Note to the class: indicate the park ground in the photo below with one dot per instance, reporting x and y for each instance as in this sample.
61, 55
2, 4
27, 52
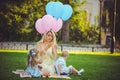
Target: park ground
97, 65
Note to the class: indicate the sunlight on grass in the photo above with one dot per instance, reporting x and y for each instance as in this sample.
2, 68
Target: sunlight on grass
71, 52
97, 53
14, 51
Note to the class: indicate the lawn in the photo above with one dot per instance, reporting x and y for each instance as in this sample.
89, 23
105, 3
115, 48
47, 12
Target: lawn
97, 67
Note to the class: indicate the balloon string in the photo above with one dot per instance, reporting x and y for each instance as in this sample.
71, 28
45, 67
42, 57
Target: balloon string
59, 34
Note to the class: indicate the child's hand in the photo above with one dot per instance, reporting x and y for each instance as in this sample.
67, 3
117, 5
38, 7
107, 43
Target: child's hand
40, 67
40, 61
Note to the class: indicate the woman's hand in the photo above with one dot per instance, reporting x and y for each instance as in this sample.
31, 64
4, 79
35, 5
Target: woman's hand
54, 51
41, 48
40, 61
46, 73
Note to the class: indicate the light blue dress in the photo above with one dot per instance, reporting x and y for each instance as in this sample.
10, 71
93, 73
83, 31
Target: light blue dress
33, 71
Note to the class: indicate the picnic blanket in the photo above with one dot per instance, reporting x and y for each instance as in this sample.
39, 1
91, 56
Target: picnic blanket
23, 75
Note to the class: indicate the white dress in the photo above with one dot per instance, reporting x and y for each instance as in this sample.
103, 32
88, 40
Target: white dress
48, 61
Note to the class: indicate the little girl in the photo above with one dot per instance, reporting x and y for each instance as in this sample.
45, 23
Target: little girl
33, 69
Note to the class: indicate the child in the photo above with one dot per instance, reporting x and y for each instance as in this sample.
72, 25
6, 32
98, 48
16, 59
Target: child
61, 67
33, 69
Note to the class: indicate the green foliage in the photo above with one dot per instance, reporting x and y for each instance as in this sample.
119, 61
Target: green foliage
80, 27
18, 17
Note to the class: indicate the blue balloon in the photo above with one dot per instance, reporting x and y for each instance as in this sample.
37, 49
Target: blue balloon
58, 10
58, 7
67, 12
50, 7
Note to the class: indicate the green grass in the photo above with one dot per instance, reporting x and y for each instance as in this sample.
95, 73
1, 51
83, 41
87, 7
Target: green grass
97, 67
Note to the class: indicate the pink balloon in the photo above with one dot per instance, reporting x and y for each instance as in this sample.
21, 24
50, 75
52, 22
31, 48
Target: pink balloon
47, 22
57, 25
39, 27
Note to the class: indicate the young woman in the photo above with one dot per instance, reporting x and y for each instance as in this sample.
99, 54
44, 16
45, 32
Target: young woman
48, 51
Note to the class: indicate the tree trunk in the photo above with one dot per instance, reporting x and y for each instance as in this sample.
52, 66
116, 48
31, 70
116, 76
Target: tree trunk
65, 29
65, 32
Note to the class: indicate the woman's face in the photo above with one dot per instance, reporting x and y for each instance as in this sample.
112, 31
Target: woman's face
49, 37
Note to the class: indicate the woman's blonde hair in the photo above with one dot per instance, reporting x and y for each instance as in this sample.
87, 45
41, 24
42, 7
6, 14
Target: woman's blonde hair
44, 37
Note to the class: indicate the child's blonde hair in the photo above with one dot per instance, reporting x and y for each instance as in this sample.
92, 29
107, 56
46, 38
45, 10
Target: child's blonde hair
31, 59
64, 53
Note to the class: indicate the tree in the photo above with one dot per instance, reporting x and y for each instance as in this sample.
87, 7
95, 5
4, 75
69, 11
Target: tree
80, 28
65, 29
17, 21
19, 18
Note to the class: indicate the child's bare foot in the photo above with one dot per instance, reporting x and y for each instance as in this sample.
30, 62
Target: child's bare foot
80, 71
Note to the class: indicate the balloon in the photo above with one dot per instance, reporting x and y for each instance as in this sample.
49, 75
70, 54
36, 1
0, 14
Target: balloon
50, 7
58, 25
67, 12
57, 9
47, 22
39, 27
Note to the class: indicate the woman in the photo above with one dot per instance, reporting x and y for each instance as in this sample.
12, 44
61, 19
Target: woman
48, 51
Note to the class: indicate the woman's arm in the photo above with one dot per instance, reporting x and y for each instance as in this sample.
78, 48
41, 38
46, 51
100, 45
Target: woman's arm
54, 51
40, 55
41, 48
39, 61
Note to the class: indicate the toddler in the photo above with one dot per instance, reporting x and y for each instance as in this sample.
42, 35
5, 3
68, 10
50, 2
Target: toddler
61, 67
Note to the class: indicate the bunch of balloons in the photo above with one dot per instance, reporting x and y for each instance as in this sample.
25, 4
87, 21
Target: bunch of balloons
56, 14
